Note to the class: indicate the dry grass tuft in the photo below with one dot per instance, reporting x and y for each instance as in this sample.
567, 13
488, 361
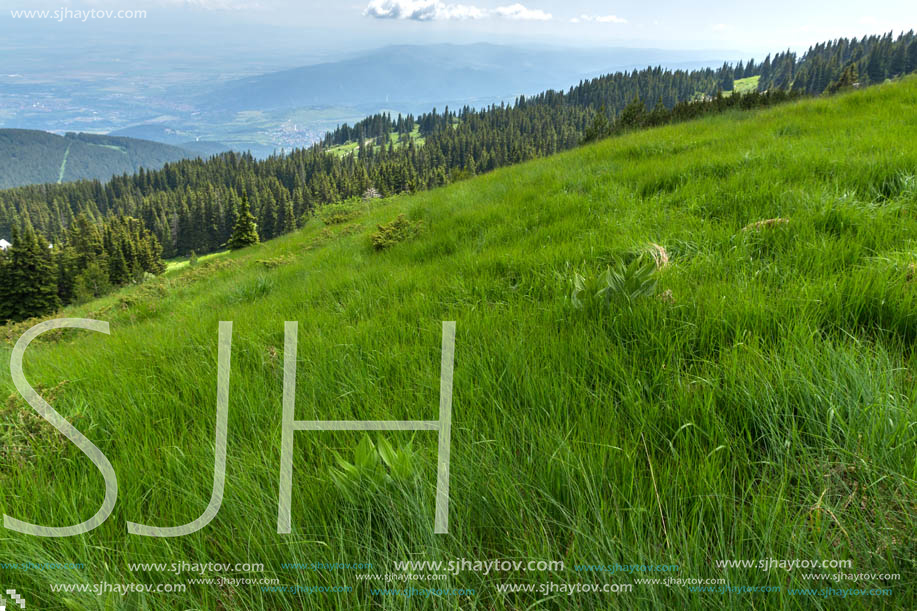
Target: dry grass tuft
911, 273
26, 433
660, 255
766, 224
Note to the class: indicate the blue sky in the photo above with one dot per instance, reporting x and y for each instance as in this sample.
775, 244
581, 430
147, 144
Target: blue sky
715, 24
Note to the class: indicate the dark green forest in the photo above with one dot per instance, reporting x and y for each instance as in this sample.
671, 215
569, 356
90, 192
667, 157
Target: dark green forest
31, 157
195, 205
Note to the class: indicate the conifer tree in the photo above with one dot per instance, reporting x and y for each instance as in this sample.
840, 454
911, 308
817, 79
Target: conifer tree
30, 278
633, 114
245, 231
599, 128
287, 221
848, 79
6, 288
92, 282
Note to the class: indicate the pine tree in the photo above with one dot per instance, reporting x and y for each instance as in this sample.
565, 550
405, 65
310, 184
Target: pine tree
30, 278
633, 114
751, 69
67, 261
898, 65
287, 221
875, 68
848, 79
92, 282
268, 221
6, 288
599, 128
727, 78
245, 231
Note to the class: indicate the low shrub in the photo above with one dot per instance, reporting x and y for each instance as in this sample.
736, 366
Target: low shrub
621, 284
340, 213
374, 468
397, 231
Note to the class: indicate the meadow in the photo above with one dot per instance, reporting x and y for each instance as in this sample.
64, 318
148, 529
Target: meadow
743, 391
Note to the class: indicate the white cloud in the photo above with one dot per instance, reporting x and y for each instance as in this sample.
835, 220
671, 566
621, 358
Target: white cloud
598, 19
435, 10
522, 13
720, 27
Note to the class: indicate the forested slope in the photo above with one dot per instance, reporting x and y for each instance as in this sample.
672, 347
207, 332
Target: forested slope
36, 157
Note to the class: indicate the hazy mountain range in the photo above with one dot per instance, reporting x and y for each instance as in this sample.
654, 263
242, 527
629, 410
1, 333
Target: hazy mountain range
413, 76
245, 105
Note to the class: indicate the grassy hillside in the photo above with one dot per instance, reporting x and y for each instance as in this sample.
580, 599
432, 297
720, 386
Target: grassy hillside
759, 405
35, 157
352, 147
745, 85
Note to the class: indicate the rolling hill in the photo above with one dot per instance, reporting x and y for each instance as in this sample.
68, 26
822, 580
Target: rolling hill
36, 157
745, 393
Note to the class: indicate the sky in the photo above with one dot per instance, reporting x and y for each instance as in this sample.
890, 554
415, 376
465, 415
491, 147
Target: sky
330, 26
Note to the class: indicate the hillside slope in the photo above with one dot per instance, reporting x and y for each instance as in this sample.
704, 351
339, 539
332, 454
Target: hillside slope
760, 405
36, 157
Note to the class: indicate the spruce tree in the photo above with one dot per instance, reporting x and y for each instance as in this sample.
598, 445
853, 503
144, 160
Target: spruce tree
30, 278
245, 231
875, 68
912, 57
287, 221
6, 288
91, 283
848, 79
632, 115
898, 65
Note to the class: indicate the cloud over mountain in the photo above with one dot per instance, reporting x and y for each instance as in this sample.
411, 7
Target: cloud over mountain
435, 10
598, 19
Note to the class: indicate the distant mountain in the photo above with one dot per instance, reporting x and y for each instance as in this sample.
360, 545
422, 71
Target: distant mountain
205, 148
35, 157
412, 77
182, 138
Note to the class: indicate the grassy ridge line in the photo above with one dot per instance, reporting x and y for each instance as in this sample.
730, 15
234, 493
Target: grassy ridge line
63, 165
773, 393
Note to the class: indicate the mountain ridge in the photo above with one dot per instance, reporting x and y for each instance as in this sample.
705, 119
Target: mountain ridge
38, 157
424, 74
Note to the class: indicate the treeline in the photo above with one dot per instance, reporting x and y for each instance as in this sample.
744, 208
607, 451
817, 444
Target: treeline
614, 91
867, 61
636, 115
873, 58
37, 277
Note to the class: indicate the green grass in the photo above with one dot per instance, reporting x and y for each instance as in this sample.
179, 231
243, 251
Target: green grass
745, 85
63, 166
342, 150
762, 406
173, 265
